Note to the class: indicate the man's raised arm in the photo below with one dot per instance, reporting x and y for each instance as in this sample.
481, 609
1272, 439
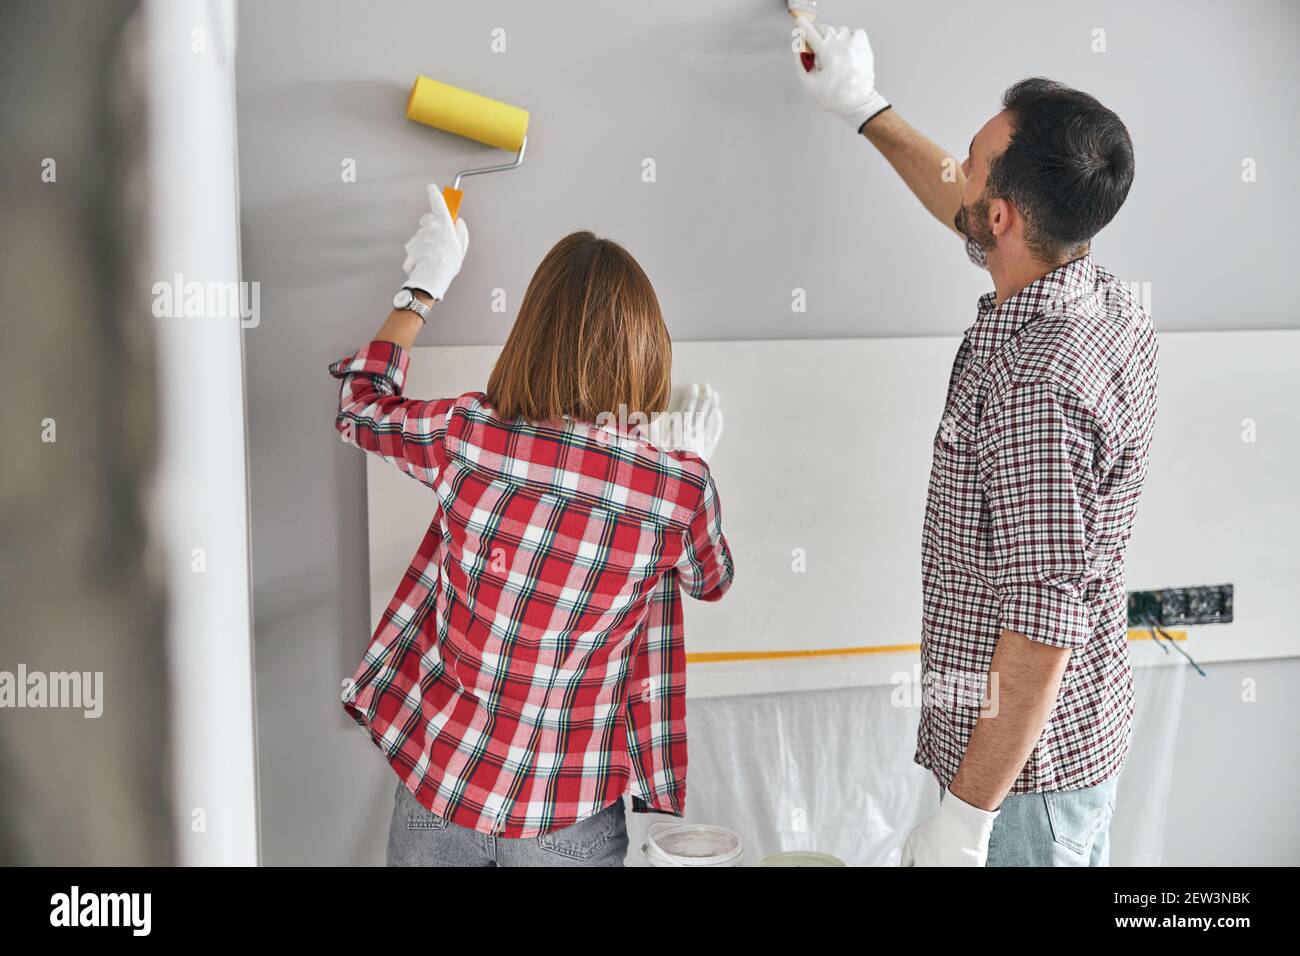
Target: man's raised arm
842, 81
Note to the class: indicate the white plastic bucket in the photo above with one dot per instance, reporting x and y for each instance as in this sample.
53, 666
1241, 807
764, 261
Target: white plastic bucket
801, 858
691, 844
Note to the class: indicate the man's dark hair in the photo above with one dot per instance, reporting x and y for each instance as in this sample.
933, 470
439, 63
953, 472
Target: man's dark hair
1067, 168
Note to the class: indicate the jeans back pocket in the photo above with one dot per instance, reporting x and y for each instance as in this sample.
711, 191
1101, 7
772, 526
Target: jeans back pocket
1077, 816
414, 814
582, 840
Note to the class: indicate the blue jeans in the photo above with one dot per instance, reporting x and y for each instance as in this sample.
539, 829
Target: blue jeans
1054, 828
417, 837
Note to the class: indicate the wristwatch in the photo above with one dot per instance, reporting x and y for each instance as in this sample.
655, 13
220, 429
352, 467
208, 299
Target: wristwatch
405, 299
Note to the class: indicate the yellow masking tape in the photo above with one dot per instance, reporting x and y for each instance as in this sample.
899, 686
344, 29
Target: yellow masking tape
719, 657
467, 114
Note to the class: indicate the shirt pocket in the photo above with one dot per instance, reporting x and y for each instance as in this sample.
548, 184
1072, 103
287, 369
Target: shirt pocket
963, 516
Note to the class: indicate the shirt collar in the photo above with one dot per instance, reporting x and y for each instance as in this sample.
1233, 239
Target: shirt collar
996, 324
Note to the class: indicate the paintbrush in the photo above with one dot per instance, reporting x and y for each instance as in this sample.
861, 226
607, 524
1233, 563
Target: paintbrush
804, 10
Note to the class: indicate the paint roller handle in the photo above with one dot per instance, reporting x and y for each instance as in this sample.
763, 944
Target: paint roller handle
435, 253
452, 198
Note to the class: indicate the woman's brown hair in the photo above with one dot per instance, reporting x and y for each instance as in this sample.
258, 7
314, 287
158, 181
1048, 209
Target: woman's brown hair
589, 337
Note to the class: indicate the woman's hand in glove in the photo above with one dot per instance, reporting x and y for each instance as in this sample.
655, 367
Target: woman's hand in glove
694, 426
435, 253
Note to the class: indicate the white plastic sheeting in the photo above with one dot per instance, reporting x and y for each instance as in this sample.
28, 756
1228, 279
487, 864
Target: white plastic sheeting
1142, 803
201, 498
832, 771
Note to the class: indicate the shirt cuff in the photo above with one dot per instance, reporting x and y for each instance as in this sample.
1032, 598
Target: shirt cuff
1046, 615
382, 360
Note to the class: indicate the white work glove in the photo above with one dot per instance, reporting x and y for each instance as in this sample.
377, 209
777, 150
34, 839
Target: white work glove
694, 426
701, 421
434, 254
957, 835
843, 76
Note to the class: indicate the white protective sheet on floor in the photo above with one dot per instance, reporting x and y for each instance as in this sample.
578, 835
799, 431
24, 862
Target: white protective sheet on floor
832, 771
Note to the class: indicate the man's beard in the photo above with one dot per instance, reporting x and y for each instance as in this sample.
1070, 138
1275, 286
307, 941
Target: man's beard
973, 223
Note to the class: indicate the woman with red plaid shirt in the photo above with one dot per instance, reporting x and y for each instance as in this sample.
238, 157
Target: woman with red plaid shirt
530, 670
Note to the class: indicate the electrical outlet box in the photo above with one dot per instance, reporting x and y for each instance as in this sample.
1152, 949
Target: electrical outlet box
1210, 604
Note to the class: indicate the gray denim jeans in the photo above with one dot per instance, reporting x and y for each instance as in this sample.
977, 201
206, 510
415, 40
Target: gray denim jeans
1055, 828
417, 837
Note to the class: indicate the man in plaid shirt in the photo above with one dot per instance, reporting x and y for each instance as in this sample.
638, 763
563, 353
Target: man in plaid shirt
1039, 460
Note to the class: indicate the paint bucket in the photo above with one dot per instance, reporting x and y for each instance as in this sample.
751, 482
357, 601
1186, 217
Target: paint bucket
691, 844
802, 858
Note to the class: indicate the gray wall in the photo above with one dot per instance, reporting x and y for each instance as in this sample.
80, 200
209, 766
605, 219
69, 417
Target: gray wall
81, 589
757, 193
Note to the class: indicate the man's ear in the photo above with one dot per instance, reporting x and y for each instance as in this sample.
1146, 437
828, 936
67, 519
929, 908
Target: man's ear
1001, 215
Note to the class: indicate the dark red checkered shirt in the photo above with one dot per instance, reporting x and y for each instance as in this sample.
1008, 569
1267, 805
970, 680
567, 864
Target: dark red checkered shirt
531, 668
1039, 460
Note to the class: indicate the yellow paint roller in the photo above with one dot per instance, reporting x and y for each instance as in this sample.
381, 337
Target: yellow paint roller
475, 117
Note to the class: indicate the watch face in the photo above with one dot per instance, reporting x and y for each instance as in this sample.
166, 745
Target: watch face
403, 298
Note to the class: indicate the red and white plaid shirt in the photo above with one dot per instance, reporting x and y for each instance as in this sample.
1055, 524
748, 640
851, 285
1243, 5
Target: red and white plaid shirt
530, 669
1038, 464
